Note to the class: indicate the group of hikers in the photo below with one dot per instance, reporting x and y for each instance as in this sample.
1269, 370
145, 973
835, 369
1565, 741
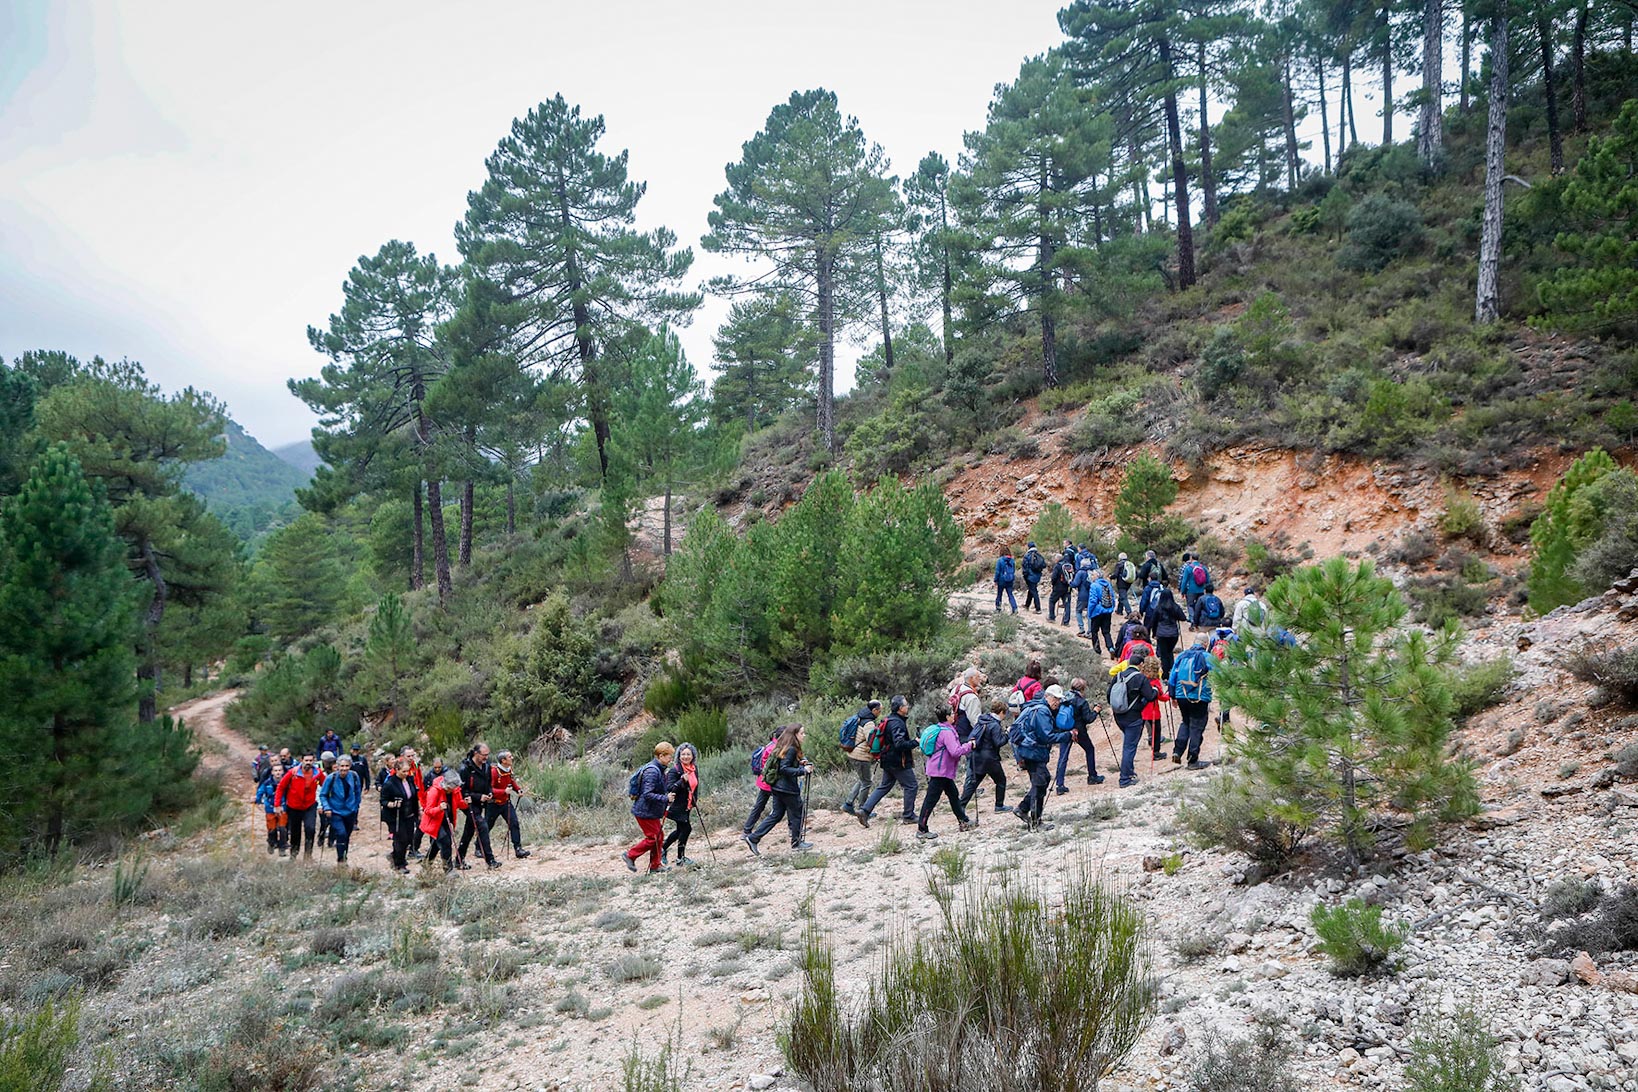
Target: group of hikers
319, 800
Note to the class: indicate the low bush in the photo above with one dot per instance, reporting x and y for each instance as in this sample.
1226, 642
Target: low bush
1355, 938
1478, 686
1020, 993
1569, 898
1445, 597
566, 783
1233, 815
257, 1051
1462, 518
1613, 667
635, 967
1457, 1054
35, 1047
908, 670
1260, 1062
1613, 927
1380, 229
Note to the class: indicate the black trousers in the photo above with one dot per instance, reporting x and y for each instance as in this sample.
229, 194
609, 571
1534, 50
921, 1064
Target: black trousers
1100, 628
786, 806
937, 787
404, 823
980, 768
679, 836
1033, 595
1052, 605
1166, 647
302, 824
509, 812
1085, 741
1040, 780
905, 778
762, 798
1194, 715
476, 824
440, 845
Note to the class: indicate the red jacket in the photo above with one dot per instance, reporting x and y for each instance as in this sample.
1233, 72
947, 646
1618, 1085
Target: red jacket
436, 807
296, 791
501, 784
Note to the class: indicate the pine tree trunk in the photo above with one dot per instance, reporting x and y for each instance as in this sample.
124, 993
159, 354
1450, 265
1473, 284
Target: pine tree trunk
435, 498
1387, 74
1549, 88
1208, 183
1430, 137
949, 283
1293, 159
1325, 119
881, 295
1180, 175
187, 675
590, 375
1487, 303
827, 351
148, 668
511, 506
418, 565
1467, 55
1578, 73
466, 525
59, 759
1043, 278
1348, 139
667, 536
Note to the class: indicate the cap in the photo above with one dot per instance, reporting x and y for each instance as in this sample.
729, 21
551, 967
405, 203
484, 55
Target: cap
327, 756
1032, 546
1055, 692
1123, 557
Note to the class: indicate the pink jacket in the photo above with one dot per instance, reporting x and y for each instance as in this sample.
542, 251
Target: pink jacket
942, 762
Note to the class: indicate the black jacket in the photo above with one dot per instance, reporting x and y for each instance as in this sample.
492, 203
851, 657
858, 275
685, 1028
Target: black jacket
1164, 619
901, 745
1146, 693
988, 739
1061, 579
1084, 713
393, 788
675, 782
1151, 565
788, 779
475, 782
1034, 566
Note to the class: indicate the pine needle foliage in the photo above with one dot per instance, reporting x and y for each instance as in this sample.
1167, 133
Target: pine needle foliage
1354, 716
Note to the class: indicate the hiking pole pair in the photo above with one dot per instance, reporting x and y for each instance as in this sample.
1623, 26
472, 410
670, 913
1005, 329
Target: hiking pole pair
802, 827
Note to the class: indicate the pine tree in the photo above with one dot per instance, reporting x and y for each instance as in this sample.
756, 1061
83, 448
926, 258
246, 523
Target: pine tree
1600, 292
802, 579
1145, 491
911, 534
807, 196
660, 413
299, 582
1558, 534
564, 273
934, 240
1487, 297
389, 649
761, 361
67, 624
1355, 716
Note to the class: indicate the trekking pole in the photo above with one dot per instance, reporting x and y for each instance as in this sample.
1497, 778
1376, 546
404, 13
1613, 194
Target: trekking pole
802, 828
705, 829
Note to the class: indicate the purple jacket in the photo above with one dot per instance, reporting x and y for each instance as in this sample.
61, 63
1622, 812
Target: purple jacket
942, 762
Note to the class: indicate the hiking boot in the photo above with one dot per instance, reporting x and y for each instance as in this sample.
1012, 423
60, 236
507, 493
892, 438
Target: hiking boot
971, 825
463, 866
494, 865
1096, 779
849, 809
1128, 784
685, 862
521, 853
1003, 807
863, 817
662, 868
282, 851
801, 847
631, 865
1177, 760
925, 834
402, 870
1022, 817
905, 820
1038, 825
1062, 790
750, 845
665, 854
1193, 765
416, 855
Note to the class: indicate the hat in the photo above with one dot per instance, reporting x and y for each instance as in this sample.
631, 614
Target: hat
1032, 545
327, 756
1123, 557
1055, 692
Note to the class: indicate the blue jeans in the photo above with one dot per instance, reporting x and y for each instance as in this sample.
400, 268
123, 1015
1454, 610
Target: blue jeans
1085, 743
1081, 620
1129, 740
341, 832
1007, 587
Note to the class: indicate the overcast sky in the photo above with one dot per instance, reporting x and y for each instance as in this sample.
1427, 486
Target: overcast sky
187, 183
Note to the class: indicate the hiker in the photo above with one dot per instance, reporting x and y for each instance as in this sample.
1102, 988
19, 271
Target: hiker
1125, 577
420, 791
1082, 714
503, 785
649, 801
1034, 566
897, 761
401, 810
1166, 623
386, 764
277, 823
285, 763
988, 737
1083, 598
764, 791
331, 742
361, 767
1068, 552
1220, 641
260, 765
1250, 614
1147, 600
296, 797
682, 784
1083, 554
477, 786
1033, 735
1063, 586
327, 766
965, 704
1192, 578
1129, 692
1137, 638
1191, 688
1029, 683
1151, 568
943, 757
1208, 611
443, 800
1100, 611
861, 757
1005, 572
1151, 711
788, 767
338, 800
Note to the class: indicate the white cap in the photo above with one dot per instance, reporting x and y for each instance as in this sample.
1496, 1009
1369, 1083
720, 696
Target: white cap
1055, 692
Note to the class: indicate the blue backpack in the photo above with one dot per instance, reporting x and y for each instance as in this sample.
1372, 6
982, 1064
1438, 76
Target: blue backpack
1189, 671
759, 757
1066, 717
634, 787
848, 737
1211, 607
1004, 571
929, 739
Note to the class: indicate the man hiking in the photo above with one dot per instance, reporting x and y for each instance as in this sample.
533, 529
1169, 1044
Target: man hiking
1063, 587
327, 766
1006, 573
865, 737
1125, 576
898, 762
477, 786
297, 798
1033, 736
1082, 714
1208, 612
1250, 615
1151, 568
331, 742
1100, 611
988, 737
338, 800
1191, 689
1034, 565
1192, 579
1130, 691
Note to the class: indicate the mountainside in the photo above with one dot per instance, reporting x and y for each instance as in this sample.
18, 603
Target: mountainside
299, 454
249, 488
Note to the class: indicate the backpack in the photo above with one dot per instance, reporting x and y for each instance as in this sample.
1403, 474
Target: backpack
759, 757
1190, 670
1015, 702
1066, 571
1211, 607
1151, 596
1125, 691
1255, 613
954, 700
1065, 720
929, 739
1126, 573
848, 737
1004, 571
1219, 648
876, 740
634, 787
1201, 576
1106, 595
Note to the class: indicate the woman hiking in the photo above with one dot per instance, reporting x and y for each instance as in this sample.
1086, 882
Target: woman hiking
941, 771
1151, 712
648, 805
401, 810
784, 770
682, 784
338, 800
1166, 623
442, 802
1006, 573
1137, 640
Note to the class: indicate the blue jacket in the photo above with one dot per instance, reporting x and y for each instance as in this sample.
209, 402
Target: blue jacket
1005, 570
340, 793
1095, 598
651, 797
1034, 733
1083, 586
1196, 662
265, 788
338, 749
1085, 555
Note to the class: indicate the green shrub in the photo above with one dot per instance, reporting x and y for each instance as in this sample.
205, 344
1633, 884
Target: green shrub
1260, 1062
1380, 229
1071, 979
669, 693
1569, 898
706, 729
1478, 686
35, 1047
1355, 938
1462, 518
566, 783
1445, 597
1568, 523
907, 671
1231, 815
1457, 1054
1612, 667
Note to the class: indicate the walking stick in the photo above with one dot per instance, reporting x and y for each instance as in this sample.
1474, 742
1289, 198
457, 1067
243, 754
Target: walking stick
705, 828
802, 828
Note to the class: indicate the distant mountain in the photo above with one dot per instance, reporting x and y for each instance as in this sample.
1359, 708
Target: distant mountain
299, 455
249, 488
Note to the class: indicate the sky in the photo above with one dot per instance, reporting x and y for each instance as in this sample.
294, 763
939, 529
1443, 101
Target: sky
187, 184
